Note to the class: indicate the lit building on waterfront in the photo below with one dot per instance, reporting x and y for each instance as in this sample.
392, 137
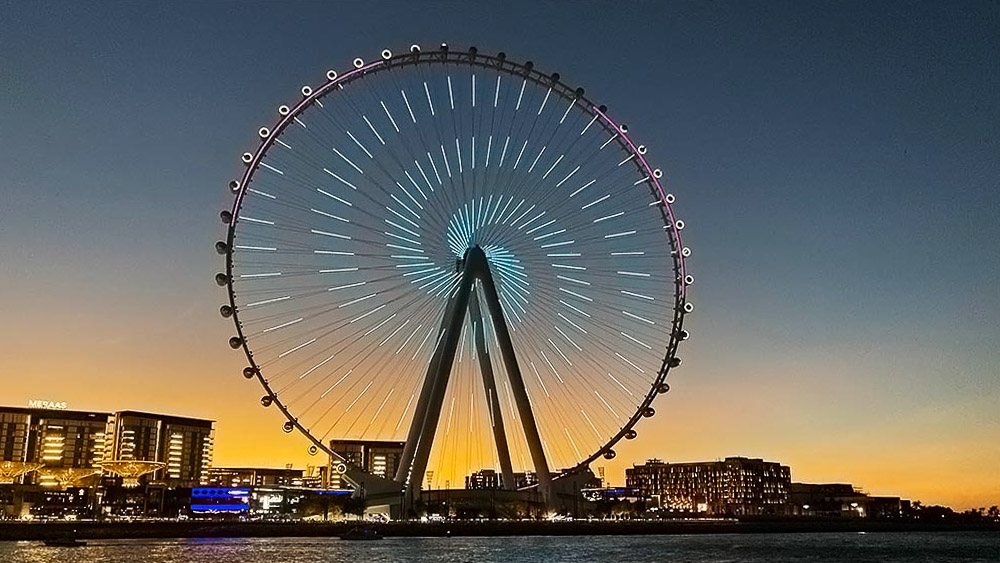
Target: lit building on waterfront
255, 477
613, 494
66, 441
491, 479
484, 479
737, 485
184, 444
72, 444
379, 458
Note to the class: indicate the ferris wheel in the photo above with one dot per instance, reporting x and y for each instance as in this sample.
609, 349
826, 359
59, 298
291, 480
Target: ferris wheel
461, 254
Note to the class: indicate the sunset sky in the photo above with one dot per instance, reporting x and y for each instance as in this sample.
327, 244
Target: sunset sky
837, 168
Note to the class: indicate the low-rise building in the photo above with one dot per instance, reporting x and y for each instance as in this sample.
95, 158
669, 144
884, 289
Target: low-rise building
841, 499
254, 477
484, 479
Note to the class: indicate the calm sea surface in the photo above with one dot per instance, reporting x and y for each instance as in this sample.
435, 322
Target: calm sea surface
854, 547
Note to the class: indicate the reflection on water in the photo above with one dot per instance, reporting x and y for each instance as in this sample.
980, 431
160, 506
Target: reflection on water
882, 547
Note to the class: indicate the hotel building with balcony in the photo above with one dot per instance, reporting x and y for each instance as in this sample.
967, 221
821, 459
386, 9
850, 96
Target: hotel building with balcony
734, 486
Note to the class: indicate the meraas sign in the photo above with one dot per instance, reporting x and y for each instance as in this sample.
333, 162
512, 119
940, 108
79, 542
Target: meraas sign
39, 404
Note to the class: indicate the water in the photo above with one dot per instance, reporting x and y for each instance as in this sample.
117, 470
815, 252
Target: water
776, 548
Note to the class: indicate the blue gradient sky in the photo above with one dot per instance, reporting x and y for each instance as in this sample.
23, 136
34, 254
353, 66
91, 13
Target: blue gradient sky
837, 167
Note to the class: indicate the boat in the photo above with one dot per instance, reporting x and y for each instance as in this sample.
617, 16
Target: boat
361, 533
64, 542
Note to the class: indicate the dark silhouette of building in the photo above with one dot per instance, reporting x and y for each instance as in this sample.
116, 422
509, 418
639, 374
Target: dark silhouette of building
735, 486
841, 499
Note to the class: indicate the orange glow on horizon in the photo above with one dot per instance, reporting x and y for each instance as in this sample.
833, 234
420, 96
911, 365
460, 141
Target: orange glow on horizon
924, 454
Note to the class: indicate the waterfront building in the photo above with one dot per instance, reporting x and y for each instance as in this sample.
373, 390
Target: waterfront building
735, 486
613, 494
184, 444
841, 499
265, 503
491, 479
254, 477
377, 457
484, 479
316, 477
71, 444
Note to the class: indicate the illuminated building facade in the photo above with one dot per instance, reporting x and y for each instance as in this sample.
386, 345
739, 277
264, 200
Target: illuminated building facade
255, 477
184, 444
66, 441
613, 494
376, 457
484, 479
735, 486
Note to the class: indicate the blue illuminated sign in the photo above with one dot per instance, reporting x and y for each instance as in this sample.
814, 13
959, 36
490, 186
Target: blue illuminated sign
219, 492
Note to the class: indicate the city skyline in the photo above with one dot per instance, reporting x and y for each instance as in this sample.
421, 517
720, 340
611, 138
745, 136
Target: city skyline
837, 174
63, 439
58, 410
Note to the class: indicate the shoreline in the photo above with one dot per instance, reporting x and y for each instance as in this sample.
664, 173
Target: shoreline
28, 531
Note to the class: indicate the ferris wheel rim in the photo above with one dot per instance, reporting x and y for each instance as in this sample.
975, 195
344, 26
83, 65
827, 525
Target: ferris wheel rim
527, 71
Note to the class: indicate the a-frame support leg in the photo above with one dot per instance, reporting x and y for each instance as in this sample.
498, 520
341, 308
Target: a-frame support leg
428, 413
517, 388
416, 452
492, 397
